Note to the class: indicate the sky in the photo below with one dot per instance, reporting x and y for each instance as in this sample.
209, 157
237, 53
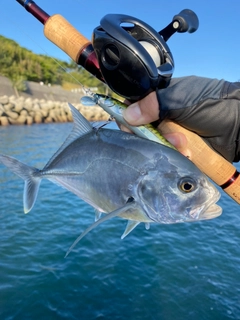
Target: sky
212, 51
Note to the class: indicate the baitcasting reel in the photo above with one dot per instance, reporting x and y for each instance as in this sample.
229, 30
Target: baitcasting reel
134, 59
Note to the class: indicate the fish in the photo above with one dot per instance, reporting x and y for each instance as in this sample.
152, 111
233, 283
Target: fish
115, 108
121, 174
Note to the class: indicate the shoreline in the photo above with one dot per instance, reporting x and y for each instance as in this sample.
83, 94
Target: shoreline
26, 111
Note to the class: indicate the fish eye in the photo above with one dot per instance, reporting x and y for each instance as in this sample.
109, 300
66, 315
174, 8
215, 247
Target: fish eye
186, 185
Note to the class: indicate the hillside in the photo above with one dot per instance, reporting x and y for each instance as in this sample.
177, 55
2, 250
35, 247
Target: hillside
20, 64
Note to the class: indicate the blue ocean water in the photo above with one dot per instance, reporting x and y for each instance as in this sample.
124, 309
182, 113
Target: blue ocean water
182, 271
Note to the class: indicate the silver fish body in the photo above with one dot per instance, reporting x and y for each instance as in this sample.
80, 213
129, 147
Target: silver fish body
111, 169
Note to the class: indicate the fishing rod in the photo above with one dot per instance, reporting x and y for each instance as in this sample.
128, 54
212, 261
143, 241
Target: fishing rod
59, 31
105, 62
116, 50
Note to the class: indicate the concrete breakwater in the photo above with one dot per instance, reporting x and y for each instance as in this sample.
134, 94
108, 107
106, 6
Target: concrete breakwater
19, 111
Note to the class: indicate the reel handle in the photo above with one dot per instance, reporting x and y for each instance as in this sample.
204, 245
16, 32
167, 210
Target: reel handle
185, 21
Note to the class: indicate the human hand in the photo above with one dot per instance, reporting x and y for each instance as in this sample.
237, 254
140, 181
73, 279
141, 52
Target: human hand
208, 107
146, 111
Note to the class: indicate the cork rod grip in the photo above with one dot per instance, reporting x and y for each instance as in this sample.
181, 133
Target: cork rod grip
59, 31
222, 172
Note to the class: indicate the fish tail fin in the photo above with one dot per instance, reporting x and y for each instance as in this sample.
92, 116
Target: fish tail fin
29, 175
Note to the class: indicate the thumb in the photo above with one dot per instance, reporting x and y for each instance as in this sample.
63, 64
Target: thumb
144, 111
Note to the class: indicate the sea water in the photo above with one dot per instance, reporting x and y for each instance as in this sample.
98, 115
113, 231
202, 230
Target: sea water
182, 271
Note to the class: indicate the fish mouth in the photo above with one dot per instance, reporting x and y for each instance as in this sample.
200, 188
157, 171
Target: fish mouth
213, 211
209, 210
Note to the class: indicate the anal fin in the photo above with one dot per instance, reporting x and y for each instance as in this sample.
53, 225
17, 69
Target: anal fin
130, 226
98, 214
147, 225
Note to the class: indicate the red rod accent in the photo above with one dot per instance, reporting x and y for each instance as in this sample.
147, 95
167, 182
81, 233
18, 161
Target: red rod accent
230, 181
35, 10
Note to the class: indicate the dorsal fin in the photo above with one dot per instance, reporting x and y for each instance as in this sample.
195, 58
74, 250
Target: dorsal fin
81, 126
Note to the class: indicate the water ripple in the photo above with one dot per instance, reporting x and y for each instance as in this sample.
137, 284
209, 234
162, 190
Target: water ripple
185, 271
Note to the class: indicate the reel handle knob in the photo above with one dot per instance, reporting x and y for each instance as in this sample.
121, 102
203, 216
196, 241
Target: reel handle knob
186, 21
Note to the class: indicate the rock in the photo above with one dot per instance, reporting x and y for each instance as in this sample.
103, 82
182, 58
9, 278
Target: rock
44, 113
31, 113
38, 118
48, 120
50, 104
12, 98
4, 99
35, 106
19, 120
44, 108
22, 119
30, 110
53, 115
29, 120
24, 113
64, 118
4, 121
18, 107
69, 117
1, 109
8, 107
22, 99
12, 115
28, 100
28, 104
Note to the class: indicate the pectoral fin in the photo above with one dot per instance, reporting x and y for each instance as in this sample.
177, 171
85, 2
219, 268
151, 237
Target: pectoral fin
115, 213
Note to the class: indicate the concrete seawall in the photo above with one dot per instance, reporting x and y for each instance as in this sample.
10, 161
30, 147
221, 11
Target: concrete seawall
20, 111
40, 91
42, 104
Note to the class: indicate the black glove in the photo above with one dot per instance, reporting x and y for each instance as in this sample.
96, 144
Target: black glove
209, 107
